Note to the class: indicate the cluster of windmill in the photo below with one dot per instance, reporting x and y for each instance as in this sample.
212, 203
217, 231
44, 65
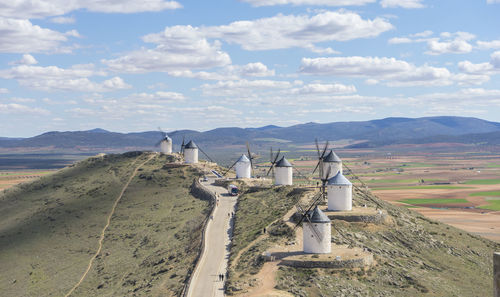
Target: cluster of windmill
188, 150
335, 187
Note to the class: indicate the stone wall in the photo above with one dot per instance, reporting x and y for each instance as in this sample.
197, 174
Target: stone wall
339, 264
375, 218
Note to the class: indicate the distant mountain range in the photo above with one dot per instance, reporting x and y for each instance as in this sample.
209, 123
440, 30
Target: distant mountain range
373, 133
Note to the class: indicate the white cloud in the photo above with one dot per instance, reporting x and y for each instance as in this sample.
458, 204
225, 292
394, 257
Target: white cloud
159, 96
494, 44
287, 31
53, 78
399, 40
394, 72
181, 49
251, 69
488, 68
492, 1
25, 9
447, 43
422, 34
22, 100
402, 3
454, 43
14, 108
27, 59
63, 20
21, 36
455, 46
229, 88
318, 88
3, 91
309, 2
178, 48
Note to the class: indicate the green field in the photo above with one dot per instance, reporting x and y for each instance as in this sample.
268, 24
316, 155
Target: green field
486, 194
483, 182
418, 164
493, 165
397, 181
421, 188
22, 173
433, 201
493, 204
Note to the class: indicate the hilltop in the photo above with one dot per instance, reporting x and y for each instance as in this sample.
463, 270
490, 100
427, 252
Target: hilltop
370, 133
50, 229
414, 256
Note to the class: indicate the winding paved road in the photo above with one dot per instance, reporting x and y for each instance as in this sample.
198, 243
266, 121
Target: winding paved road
213, 261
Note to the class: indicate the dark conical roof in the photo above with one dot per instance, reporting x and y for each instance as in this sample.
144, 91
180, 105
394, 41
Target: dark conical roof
317, 216
283, 163
190, 145
339, 180
243, 159
331, 157
166, 138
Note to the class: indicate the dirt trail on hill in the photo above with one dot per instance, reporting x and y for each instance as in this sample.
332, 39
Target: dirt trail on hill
101, 239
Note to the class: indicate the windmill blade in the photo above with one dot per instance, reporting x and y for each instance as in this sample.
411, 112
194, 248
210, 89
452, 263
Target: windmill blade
300, 173
163, 133
324, 150
317, 147
317, 165
205, 154
224, 174
158, 143
277, 155
270, 168
328, 171
250, 156
273, 160
317, 234
316, 199
183, 144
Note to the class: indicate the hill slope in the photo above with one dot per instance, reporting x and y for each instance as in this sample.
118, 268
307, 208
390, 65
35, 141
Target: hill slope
49, 229
415, 256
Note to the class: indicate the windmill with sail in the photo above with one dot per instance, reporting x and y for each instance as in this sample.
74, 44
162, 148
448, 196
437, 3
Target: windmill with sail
165, 143
243, 166
316, 227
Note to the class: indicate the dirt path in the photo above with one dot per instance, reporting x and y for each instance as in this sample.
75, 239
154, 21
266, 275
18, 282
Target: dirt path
101, 238
266, 278
286, 218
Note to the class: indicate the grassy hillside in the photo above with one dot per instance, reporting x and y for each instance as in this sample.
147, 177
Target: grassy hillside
49, 229
415, 256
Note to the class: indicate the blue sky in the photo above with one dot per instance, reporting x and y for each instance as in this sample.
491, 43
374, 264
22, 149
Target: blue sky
135, 65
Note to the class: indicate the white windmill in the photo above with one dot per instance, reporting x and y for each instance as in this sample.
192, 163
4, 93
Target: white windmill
328, 164
190, 151
243, 166
283, 174
339, 193
165, 143
316, 228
